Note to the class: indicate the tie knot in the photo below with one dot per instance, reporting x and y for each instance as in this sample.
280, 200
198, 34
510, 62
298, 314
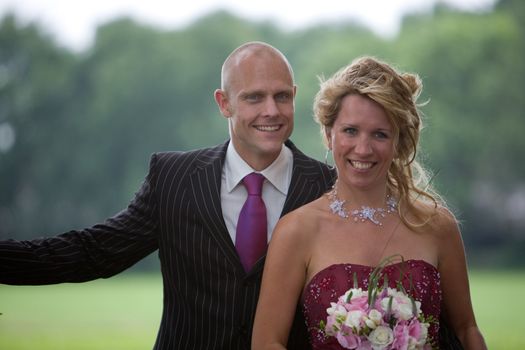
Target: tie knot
253, 183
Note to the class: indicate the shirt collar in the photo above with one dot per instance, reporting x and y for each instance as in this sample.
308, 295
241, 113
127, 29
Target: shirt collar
235, 169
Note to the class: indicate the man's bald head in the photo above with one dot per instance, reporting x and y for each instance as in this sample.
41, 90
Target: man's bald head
248, 50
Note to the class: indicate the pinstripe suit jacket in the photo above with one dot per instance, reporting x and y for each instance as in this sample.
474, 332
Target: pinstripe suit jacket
209, 300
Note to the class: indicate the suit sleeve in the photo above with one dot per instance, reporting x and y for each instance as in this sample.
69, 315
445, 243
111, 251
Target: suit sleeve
100, 251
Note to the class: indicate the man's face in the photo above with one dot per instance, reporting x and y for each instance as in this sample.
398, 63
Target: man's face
259, 104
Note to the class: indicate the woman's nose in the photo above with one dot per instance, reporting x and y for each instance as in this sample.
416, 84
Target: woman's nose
363, 146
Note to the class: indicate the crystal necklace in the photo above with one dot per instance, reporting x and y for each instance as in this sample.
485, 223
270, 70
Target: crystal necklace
374, 215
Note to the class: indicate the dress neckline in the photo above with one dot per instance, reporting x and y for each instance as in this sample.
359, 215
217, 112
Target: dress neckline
411, 261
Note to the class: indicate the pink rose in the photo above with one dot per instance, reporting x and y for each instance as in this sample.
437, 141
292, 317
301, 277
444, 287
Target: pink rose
347, 339
359, 303
418, 331
401, 337
414, 329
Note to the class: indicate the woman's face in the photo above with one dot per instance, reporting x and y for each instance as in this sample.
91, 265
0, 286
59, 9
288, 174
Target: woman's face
362, 142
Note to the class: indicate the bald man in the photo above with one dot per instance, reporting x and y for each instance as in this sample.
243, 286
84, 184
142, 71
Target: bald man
188, 208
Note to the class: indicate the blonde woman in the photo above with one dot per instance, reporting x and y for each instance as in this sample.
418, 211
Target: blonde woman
381, 206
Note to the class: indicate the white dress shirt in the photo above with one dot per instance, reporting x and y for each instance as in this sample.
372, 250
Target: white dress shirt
275, 187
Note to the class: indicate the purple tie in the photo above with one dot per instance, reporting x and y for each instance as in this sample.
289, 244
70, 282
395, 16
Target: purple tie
251, 236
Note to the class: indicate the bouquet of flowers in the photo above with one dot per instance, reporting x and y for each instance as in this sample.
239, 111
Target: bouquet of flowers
380, 318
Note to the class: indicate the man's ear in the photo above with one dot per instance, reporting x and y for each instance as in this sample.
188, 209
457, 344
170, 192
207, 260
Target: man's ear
222, 101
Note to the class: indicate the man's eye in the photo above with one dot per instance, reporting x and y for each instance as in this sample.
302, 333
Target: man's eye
253, 98
283, 97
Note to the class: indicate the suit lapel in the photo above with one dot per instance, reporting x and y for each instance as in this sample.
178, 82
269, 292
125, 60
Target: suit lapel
305, 186
206, 186
305, 180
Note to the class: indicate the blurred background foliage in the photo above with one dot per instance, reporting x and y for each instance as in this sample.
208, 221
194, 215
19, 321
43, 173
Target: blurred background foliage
77, 128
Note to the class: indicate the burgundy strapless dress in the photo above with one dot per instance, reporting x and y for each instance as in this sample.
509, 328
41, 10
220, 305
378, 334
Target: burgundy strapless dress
419, 278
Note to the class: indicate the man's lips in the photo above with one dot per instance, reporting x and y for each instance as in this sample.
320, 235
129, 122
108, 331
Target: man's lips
267, 128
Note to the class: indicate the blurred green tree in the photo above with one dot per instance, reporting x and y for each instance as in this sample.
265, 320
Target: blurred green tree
35, 84
77, 129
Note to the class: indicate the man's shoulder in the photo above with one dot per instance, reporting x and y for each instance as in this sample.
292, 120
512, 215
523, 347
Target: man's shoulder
195, 155
180, 164
303, 162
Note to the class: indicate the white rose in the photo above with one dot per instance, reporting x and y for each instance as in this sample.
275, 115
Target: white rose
403, 310
374, 319
375, 316
381, 337
370, 324
424, 333
353, 319
336, 310
331, 309
385, 302
402, 306
418, 308
356, 292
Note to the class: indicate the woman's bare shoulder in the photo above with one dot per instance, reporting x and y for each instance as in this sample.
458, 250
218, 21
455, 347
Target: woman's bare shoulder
302, 220
442, 224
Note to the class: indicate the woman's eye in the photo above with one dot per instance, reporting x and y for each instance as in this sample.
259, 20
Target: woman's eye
381, 135
351, 131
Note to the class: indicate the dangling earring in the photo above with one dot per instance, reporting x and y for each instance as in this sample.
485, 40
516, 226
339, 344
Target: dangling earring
328, 140
328, 151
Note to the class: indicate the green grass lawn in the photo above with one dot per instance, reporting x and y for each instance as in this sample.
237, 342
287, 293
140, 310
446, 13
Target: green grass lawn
124, 313
499, 305
119, 313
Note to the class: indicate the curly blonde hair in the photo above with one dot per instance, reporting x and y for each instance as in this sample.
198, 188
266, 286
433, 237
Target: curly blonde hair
397, 93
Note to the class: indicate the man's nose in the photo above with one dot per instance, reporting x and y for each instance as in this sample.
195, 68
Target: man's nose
270, 107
